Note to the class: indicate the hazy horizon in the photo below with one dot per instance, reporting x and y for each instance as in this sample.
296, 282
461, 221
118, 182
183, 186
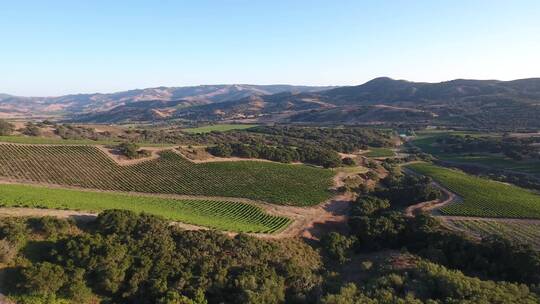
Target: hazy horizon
253, 84
60, 47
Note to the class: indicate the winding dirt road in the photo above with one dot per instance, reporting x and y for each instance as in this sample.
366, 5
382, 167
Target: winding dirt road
432, 207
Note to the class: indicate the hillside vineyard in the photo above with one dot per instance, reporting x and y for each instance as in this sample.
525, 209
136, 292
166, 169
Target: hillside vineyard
89, 167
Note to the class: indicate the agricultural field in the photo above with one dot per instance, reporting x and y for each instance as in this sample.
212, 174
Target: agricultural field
223, 215
482, 197
379, 152
220, 128
527, 233
89, 167
37, 140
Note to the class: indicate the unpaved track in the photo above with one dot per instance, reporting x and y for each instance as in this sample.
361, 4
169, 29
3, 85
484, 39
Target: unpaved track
431, 207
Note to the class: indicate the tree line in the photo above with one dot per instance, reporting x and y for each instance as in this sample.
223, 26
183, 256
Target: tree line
310, 155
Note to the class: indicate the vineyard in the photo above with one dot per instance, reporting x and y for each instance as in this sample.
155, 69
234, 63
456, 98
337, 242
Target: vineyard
527, 233
36, 140
89, 167
223, 215
482, 197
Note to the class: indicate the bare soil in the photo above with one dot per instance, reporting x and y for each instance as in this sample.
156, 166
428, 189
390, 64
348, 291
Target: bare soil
124, 161
199, 158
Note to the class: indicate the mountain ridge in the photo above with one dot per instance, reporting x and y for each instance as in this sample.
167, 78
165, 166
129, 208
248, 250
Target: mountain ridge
94, 102
459, 102
478, 103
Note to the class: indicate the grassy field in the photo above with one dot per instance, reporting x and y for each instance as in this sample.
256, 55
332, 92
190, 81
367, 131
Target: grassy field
220, 128
351, 170
89, 167
380, 152
229, 216
482, 197
57, 141
526, 233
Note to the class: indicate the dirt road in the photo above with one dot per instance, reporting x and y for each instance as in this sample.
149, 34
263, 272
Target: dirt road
432, 206
449, 197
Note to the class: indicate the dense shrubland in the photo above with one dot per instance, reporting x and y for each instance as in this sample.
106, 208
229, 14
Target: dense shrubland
512, 147
6, 128
123, 257
404, 190
376, 225
317, 146
67, 131
131, 150
310, 155
429, 283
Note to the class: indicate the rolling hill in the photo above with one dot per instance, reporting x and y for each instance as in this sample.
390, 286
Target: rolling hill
470, 103
17, 106
484, 104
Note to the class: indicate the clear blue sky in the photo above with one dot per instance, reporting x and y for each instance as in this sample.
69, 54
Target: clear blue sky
60, 47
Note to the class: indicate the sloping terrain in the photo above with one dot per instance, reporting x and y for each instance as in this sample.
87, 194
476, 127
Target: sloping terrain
471, 103
89, 167
16, 106
484, 104
482, 197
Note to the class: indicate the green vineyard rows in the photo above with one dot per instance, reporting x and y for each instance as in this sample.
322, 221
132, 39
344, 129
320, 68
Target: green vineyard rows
223, 215
526, 233
17, 139
482, 197
89, 167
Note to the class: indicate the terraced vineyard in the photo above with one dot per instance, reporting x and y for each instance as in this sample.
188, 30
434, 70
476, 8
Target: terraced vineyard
527, 233
223, 215
89, 167
482, 197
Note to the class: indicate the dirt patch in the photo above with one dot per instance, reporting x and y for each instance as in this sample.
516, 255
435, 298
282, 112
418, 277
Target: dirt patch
199, 158
124, 161
37, 212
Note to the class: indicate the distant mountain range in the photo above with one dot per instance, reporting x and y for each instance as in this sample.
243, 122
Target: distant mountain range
471, 103
14, 106
465, 103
